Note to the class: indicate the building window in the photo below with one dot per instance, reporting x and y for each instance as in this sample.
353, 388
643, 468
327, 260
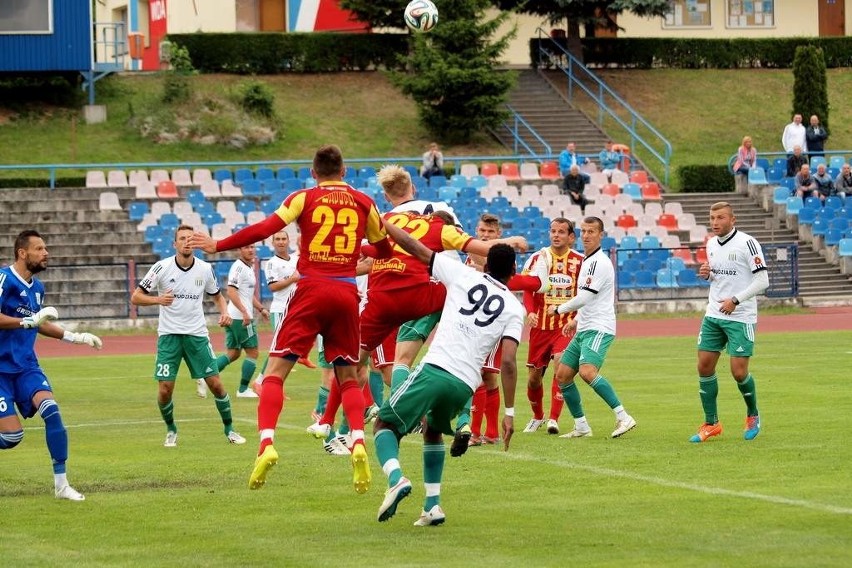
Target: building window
26, 16
688, 14
751, 13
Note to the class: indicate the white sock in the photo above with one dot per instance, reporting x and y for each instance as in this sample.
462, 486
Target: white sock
620, 413
581, 423
60, 480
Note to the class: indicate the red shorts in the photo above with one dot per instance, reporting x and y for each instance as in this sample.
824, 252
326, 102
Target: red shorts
385, 354
546, 345
320, 306
387, 310
494, 359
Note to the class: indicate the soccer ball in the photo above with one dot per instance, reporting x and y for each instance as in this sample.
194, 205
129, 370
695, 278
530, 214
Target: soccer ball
421, 15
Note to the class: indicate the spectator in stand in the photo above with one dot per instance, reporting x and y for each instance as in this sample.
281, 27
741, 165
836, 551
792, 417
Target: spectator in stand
746, 160
794, 135
824, 183
569, 157
795, 161
609, 160
573, 185
433, 162
843, 183
815, 136
805, 183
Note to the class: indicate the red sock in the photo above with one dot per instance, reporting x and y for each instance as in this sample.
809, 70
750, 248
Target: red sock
332, 404
556, 402
269, 407
353, 404
477, 410
368, 395
492, 411
536, 398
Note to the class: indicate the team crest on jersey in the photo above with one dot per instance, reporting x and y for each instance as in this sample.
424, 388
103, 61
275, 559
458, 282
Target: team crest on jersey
588, 281
560, 266
758, 261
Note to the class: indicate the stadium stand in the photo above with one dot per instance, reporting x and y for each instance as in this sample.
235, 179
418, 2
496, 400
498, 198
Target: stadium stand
108, 201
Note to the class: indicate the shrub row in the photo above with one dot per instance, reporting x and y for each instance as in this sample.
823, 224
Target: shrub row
269, 53
705, 178
35, 182
680, 53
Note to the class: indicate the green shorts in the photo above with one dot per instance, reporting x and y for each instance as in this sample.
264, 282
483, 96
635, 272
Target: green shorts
194, 349
239, 336
322, 362
419, 329
715, 333
587, 348
431, 392
275, 317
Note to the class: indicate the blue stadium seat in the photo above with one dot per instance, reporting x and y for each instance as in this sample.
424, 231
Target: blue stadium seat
817, 160
478, 181
251, 187
458, 181
195, 197
437, 181
169, 221
675, 264
652, 264
264, 251
839, 224
154, 232
836, 161
819, 227
666, 278
794, 205
137, 210
645, 279
291, 184
264, 174
427, 193
412, 171
650, 241
833, 237
286, 173
498, 203
304, 173
790, 184
468, 192
813, 203
833, 172
366, 172
634, 190
625, 279
762, 163
447, 193
757, 176
833, 202
780, 195
687, 278
628, 242
806, 216
212, 218
246, 206
608, 243
775, 175
844, 247
780, 163
269, 186
531, 211
243, 174
631, 265
419, 182
221, 175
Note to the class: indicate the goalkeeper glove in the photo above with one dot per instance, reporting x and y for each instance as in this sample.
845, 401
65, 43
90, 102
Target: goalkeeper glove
40, 317
83, 338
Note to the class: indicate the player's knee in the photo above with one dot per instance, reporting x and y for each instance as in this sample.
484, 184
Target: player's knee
9, 440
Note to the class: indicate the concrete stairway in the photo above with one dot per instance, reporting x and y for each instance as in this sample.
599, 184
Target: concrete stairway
819, 281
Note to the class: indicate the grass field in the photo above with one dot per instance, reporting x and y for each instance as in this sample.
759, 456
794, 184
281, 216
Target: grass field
647, 499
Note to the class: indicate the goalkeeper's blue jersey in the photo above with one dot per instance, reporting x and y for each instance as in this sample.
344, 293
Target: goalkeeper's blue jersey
18, 299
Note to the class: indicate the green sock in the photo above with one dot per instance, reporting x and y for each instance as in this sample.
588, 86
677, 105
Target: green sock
222, 361
708, 389
249, 366
571, 395
344, 426
322, 400
387, 450
601, 386
749, 392
464, 414
263, 368
167, 411
377, 387
398, 376
223, 405
433, 470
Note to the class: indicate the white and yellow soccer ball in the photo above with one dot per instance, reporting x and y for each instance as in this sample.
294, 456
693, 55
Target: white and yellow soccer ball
421, 15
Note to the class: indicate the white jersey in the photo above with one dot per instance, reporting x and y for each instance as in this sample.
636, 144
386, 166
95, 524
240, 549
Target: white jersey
242, 277
276, 270
186, 314
733, 263
598, 277
478, 313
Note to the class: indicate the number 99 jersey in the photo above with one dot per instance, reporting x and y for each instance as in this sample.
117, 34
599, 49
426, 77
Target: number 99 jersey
479, 312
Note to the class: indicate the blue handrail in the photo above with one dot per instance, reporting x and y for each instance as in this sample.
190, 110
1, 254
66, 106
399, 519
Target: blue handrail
517, 139
576, 69
773, 155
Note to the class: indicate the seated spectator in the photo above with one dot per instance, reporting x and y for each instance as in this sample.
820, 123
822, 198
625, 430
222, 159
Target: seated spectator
843, 183
824, 183
574, 184
746, 159
569, 157
815, 135
609, 160
805, 183
433, 162
795, 161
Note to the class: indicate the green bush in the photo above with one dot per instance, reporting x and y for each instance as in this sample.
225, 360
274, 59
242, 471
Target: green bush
257, 97
705, 178
810, 85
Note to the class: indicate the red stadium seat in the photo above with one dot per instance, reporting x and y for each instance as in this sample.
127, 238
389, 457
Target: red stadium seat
667, 221
626, 221
701, 256
610, 189
651, 191
167, 190
488, 169
549, 171
639, 176
684, 254
510, 171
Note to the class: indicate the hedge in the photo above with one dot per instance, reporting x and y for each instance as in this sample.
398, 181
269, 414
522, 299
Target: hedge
270, 53
705, 179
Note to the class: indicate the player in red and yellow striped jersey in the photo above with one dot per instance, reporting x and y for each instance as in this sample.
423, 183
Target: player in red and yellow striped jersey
333, 219
561, 264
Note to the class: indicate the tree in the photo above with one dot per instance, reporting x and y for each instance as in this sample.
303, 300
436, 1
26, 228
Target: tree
810, 85
379, 13
452, 76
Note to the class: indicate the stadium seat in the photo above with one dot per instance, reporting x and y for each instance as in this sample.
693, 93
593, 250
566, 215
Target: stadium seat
231, 190
763, 163
95, 179
285, 173
638, 177
671, 207
137, 209
780, 195
211, 189
813, 203
167, 189
819, 227
264, 174
684, 254
201, 175
159, 175
833, 237
510, 171
645, 279
817, 160
182, 178
666, 278
108, 201
469, 170
833, 202
610, 189
651, 191
775, 175
844, 247
649, 242
701, 255
447, 193
182, 208
687, 278
222, 174
437, 181
668, 221
117, 178
303, 172
625, 221
251, 187
633, 190
628, 242
169, 221
780, 163
488, 169
794, 205
549, 171
243, 174
245, 206
529, 170
675, 264
135, 177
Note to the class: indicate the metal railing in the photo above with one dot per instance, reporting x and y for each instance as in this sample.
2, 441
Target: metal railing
579, 77
517, 125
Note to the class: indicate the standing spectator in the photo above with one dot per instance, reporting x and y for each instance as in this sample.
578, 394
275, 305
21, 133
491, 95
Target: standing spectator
737, 274
23, 385
433, 162
795, 161
824, 183
574, 184
815, 136
843, 183
805, 185
595, 332
746, 160
333, 219
569, 157
609, 160
180, 282
794, 135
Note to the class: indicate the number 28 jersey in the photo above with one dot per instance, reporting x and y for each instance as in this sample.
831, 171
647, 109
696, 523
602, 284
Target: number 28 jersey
478, 313
333, 218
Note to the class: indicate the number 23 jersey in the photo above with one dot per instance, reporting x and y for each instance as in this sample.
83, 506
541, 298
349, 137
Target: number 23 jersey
479, 312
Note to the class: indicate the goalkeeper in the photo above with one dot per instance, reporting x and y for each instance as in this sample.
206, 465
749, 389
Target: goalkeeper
22, 382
